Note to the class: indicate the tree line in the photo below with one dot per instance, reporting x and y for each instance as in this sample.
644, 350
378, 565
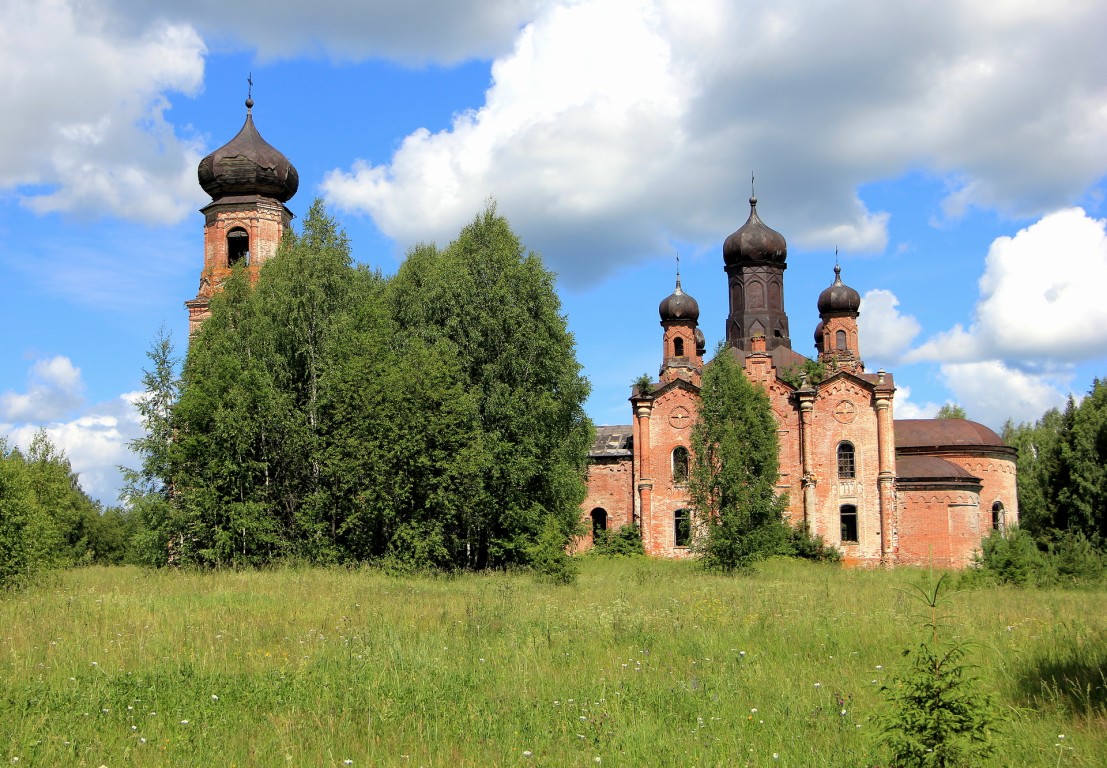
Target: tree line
431, 419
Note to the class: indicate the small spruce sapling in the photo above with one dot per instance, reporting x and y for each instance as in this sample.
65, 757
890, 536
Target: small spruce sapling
938, 717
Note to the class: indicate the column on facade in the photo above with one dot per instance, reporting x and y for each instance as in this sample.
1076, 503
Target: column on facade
806, 398
886, 446
643, 409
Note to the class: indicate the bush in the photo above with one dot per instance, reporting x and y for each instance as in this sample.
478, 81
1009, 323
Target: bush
803, 545
624, 541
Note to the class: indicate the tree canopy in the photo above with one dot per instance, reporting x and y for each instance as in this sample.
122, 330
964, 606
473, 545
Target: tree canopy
432, 419
735, 468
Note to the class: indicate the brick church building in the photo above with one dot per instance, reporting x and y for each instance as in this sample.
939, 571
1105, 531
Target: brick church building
881, 490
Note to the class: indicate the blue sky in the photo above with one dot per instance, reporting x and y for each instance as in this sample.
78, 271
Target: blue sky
954, 152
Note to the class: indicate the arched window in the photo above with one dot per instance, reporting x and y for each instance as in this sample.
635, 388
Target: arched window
847, 466
680, 464
238, 246
997, 516
847, 515
678, 347
599, 522
756, 295
682, 528
840, 340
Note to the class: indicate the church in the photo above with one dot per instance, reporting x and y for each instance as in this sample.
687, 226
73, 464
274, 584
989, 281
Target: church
882, 491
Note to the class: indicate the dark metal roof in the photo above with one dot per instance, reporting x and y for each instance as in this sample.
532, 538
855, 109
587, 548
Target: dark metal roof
754, 242
944, 433
931, 468
679, 306
839, 297
613, 441
248, 165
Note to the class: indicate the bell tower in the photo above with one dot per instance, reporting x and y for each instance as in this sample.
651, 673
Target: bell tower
754, 258
682, 340
836, 335
249, 182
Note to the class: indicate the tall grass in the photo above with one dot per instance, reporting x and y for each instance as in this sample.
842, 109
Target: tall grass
640, 663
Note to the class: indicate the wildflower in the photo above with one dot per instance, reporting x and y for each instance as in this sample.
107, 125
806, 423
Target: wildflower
776, 755
214, 697
753, 711
527, 753
818, 685
347, 761
741, 653
596, 759
880, 666
184, 722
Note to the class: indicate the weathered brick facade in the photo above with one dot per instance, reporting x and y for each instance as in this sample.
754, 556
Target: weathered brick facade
883, 492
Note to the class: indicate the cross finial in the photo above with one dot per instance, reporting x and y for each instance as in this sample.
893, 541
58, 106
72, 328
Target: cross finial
249, 92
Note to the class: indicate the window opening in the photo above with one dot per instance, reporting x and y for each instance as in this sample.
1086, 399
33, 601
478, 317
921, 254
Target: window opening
682, 528
238, 246
847, 466
840, 339
997, 516
599, 521
680, 464
678, 347
848, 516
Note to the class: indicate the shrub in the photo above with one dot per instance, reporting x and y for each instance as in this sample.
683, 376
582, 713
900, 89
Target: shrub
624, 541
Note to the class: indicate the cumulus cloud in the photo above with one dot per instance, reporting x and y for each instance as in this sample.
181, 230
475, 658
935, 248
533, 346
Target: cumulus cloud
906, 409
615, 126
1040, 297
84, 127
95, 443
991, 392
54, 388
885, 334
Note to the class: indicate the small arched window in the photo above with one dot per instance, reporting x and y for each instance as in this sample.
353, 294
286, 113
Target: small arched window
840, 340
847, 515
678, 347
682, 528
599, 522
680, 464
847, 465
997, 516
238, 246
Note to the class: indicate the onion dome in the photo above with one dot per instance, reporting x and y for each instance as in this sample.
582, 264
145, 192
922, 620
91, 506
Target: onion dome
248, 165
754, 242
819, 335
701, 342
839, 297
679, 306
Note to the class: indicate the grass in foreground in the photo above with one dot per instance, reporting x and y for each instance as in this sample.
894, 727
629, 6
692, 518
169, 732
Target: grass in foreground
640, 663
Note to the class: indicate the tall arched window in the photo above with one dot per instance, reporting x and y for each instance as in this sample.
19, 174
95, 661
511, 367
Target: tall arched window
847, 466
680, 464
599, 522
847, 515
997, 516
682, 528
840, 340
238, 246
678, 347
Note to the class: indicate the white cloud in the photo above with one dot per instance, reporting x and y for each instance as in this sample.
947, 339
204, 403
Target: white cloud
885, 334
904, 408
614, 126
1040, 297
54, 387
94, 442
84, 128
992, 392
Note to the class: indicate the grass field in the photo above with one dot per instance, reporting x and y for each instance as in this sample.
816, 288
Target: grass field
641, 663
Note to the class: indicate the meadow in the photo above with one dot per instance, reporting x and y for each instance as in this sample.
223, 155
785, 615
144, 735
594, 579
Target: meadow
640, 663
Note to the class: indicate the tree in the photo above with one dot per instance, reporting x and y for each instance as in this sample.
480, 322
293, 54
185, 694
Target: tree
495, 304
735, 468
951, 411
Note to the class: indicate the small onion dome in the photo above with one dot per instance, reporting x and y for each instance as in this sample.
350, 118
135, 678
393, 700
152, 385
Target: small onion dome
839, 297
679, 306
819, 335
248, 165
754, 242
701, 342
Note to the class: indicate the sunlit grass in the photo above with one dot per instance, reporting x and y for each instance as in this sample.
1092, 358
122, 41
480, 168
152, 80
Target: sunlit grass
640, 663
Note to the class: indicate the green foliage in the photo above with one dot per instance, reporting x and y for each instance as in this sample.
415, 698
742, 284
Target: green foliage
624, 541
950, 411
642, 386
803, 545
1015, 558
1062, 469
326, 414
548, 557
735, 469
938, 716
813, 371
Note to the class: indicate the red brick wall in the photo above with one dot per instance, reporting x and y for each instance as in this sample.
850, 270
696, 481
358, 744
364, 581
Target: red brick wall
669, 427
610, 487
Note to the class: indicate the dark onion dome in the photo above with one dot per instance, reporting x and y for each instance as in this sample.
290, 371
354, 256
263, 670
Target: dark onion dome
839, 297
248, 165
701, 342
754, 242
819, 335
679, 306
